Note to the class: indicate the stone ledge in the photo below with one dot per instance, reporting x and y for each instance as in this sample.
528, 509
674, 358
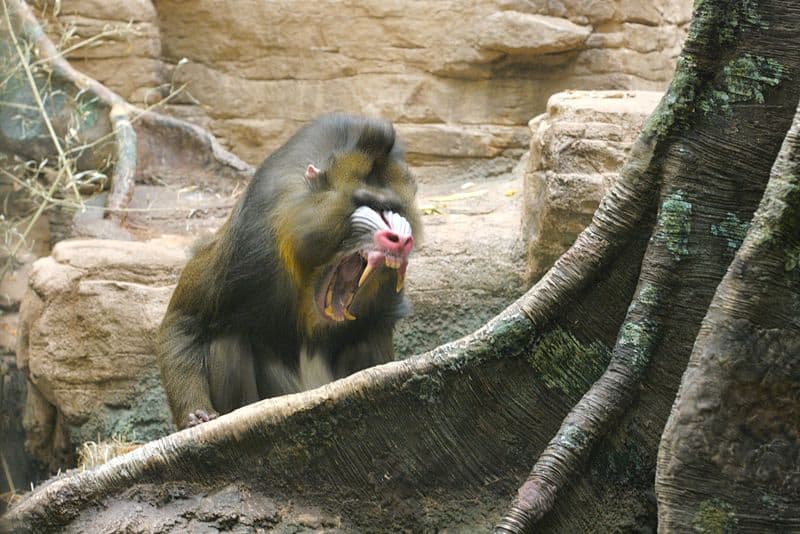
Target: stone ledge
577, 148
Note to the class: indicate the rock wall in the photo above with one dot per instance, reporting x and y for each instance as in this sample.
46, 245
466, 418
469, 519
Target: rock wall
577, 149
460, 78
115, 42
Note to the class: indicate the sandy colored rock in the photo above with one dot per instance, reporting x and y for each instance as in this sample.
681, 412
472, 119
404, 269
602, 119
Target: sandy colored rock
412, 65
86, 342
426, 141
469, 266
530, 35
127, 59
8, 332
577, 148
254, 72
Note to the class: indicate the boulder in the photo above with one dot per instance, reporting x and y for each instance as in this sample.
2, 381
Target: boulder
86, 343
525, 34
577, 148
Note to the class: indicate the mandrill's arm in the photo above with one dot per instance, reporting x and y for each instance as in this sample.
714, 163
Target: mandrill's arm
205, 370
182, 358
182, 348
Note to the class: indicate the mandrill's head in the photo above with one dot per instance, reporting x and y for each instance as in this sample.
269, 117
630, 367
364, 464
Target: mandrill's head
348, 222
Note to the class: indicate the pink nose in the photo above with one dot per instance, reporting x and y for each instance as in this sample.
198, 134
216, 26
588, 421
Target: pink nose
394, 243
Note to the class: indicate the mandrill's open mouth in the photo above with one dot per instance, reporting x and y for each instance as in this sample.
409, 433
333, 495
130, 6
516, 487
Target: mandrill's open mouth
391, 245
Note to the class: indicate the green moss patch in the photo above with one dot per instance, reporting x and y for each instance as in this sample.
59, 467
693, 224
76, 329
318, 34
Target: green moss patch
714, 517
744, 79
726, 22
567, 365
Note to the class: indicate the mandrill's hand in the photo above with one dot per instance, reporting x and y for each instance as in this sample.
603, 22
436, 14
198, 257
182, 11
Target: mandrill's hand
200, 416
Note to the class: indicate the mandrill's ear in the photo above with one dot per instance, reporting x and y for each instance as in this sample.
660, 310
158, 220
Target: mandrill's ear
314, 177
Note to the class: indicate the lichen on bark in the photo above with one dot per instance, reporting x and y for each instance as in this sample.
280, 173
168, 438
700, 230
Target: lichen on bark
675, 223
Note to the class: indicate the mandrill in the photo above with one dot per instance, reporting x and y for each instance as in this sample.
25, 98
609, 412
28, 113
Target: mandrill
304, 282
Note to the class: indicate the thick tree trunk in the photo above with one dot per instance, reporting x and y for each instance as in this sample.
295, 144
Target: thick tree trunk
593, 354
730, 454
714, 139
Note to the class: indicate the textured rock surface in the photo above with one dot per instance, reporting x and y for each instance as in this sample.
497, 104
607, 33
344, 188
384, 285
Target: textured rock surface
469, 265
461, 78
469, 66
85, 342
577, 148
117, 43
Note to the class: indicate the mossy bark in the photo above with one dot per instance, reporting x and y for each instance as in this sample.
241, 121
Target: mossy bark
730, 452
708, 165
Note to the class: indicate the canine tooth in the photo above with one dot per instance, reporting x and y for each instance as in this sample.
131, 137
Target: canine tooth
401, 277
365, 274
347, 315
374, 259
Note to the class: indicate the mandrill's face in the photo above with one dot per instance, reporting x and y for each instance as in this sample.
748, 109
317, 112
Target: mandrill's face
381, 242
355, 224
